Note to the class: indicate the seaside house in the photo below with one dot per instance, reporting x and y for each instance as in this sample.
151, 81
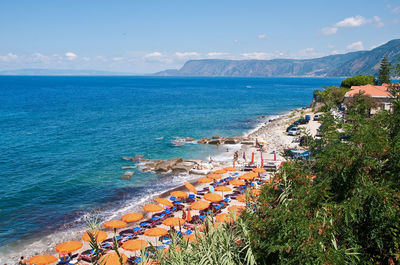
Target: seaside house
379, 94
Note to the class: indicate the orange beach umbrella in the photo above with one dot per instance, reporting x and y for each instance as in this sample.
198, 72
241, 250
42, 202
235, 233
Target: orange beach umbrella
222, 188
68, 247
256, 192
156, 232
98, 234
213, 197
230, 169
132, 217
42, 260
220, 171
179, 194
112, 258
164, 202
214, 176
199, 205
241, 198
259, 170
204, 180
236, 209
223, 217
191, 238
173, 221
134, 245
247, 177
152, 208
115, 224
237, 182
190, 187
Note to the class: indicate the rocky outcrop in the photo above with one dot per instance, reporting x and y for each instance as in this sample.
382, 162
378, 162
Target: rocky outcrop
203, 141
183, 167
167, 165
127, 175
248, 142
231, 140
215, 141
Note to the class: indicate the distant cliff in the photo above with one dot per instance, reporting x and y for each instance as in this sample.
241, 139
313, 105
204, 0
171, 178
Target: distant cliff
352, 63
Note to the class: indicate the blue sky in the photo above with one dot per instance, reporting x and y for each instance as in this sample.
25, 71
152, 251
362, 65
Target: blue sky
153, 35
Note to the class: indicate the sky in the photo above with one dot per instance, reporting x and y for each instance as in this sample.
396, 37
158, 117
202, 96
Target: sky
147, 36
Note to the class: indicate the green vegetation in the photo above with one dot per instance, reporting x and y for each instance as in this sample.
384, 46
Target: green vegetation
227, 243
350, 213
331, 96
358, 80
384, 72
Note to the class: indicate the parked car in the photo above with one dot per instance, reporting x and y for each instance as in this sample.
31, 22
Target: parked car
300, 121
317, 117
290, 127
294, 131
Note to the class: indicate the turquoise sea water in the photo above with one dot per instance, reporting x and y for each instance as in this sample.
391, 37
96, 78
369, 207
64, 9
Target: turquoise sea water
62, 139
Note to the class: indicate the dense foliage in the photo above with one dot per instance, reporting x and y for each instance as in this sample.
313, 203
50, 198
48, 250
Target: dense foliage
358, 80
349, 212
331, 96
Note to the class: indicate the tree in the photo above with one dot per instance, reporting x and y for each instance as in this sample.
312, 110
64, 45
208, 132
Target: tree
397, 68
358, 80
384, 72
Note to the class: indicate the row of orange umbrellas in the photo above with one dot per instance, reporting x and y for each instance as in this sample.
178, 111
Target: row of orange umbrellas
133, 245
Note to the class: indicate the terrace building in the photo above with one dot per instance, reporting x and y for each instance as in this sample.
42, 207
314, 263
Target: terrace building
379, 94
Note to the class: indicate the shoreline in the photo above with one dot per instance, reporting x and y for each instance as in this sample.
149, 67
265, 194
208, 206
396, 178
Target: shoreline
263, 127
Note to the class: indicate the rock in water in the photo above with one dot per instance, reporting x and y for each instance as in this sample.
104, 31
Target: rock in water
167, 165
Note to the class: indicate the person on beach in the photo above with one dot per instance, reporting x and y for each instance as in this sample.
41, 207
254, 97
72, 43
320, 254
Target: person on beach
183, 214
211, 160
22, 261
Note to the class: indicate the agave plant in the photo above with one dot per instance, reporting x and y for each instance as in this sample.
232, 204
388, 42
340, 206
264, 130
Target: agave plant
224, 244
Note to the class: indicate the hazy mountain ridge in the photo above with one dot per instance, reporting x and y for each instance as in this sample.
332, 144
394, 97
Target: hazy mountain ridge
353, 63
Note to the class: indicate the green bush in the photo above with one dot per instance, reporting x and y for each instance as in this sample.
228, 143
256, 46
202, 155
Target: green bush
358, 80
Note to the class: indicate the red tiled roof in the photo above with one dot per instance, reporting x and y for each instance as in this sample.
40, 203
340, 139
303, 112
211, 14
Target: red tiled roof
369, 90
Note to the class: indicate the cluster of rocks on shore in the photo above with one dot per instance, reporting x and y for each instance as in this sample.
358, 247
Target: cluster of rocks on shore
226, 140
180, 166
174, 165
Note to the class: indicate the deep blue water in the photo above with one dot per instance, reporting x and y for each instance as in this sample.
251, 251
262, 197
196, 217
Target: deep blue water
62, 138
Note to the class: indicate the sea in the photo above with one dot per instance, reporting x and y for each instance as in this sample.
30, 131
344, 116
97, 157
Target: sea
62, 140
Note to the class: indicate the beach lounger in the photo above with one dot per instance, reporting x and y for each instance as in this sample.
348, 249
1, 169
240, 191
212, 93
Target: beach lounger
172, 198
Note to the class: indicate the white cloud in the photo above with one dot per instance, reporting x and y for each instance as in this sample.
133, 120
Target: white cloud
329, 30
355, 46
331, 46
217, 54
153, 54
262, 36
70, 56
186, 55
9, 57
395, 9
378, 21
352, 22
235, 41
256, 56
116, 59
308, 53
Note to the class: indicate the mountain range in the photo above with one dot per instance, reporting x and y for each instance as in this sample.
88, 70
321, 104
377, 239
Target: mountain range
339, 65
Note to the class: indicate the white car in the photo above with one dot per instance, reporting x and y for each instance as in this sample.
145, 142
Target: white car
294, 131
